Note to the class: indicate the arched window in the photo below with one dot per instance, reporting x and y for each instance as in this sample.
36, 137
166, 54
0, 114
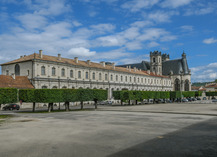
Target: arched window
64, 87
187, 85
111, 77
17, 70
79, 74
53, 71
106, 77
63, 72
43, 70
44, 87
177, 84
100, 76
93, 76
126, 78
138, 80
121, 78
71, 73
142, 80
86, 75
154, 60
116, 77
134, 79
130, 79
54, 87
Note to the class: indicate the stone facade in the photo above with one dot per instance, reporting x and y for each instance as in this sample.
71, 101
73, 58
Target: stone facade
56, 72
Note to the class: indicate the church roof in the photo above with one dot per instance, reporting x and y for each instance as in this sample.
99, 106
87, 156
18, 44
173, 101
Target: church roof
36, 56
168, 66
20, 82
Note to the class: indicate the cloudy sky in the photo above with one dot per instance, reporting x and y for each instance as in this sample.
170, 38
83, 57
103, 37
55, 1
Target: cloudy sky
121, 31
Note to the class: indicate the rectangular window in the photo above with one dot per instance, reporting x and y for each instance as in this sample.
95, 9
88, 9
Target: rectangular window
79, 74
7, 72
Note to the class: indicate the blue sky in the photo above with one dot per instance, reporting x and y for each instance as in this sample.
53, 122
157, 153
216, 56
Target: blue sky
120, 31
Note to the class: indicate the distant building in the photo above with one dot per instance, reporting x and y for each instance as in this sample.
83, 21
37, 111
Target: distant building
211, 87
56, 72
161, 64
195, 88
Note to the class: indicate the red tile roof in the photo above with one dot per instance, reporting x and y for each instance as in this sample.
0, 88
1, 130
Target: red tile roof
20, 82
80, 63
213, 85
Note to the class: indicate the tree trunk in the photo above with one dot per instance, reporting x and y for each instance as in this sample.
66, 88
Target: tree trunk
136, 102
49, 107
95, 103
129, 102
67, 106
82, 105
121, 102
33, 107
59, 106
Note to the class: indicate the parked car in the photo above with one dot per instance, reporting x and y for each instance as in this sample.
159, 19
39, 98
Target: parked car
204, 98
214, 100
184, 100
189, 99
11, 107
198, 98
105, 103
194, 99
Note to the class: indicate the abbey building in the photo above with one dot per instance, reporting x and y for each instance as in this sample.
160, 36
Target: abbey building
161, 74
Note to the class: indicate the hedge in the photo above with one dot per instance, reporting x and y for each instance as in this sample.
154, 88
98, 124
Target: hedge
8, 95
211, 93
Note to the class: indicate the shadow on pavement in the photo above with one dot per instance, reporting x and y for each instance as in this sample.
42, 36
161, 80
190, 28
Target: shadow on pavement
198, 140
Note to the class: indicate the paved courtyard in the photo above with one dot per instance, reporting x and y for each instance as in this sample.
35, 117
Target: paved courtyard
143, 130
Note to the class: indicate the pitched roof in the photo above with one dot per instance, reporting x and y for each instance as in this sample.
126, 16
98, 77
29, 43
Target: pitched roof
20, 82
80, 63
213, 85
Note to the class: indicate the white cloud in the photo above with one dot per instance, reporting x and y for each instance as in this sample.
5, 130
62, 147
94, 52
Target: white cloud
81, 52
187, 28
210, 41
32, 21
137, 5
153, 44
175, 3
159, 16
204, 73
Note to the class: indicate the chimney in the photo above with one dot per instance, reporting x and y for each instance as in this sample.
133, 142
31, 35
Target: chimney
88, 62
59, 57
13, 76
140, 69
40, 54
76, 59
134, 69
148, 71
129, 68
103, 64
113, 65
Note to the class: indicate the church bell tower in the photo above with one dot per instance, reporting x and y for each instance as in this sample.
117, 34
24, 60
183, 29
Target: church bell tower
156, 62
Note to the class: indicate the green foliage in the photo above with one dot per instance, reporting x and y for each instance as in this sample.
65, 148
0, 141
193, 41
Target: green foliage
175, 94
165, 95
27, 95
198, 93
69, 95
48, 95
138, 95
8, 95
99, 95
188, 93
84, 95
117, 95
211, 93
